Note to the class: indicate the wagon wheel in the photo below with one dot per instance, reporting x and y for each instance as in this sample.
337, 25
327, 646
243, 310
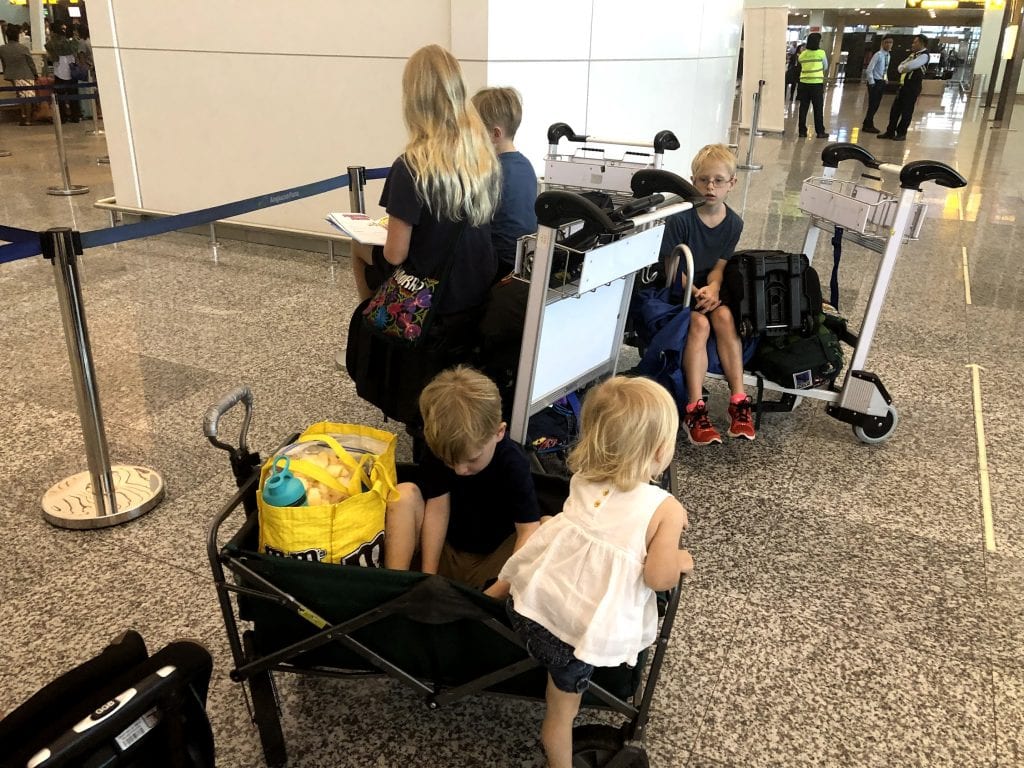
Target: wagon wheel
265, 711
595, 746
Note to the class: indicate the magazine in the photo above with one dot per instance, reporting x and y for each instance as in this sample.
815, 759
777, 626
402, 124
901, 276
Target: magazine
360, 227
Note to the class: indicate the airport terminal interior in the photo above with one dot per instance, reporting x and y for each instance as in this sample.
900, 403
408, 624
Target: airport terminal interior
852, 604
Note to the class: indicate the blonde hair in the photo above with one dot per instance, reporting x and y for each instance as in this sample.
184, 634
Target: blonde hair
714, 153
461, 410
501, 108
449, 152
626, 425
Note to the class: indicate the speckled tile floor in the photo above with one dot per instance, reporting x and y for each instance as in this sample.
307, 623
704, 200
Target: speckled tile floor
845, 611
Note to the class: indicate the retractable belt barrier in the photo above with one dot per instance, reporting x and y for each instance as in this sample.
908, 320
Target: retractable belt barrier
107, 494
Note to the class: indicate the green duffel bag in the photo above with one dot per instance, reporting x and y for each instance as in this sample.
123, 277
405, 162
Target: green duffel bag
801, 361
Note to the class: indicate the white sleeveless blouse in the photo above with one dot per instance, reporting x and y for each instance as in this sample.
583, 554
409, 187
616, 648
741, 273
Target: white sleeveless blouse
581, 574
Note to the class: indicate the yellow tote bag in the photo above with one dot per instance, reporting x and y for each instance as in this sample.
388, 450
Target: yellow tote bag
349, 474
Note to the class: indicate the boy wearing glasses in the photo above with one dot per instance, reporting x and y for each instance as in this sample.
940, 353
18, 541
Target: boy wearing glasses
712, 232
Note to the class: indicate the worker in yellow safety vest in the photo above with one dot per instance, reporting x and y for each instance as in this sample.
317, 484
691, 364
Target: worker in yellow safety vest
811, 90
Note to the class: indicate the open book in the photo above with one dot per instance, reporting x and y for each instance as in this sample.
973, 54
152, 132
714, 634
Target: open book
360, 227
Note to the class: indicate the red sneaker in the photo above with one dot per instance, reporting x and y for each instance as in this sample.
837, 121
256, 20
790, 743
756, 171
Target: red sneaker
742, 422
699, 428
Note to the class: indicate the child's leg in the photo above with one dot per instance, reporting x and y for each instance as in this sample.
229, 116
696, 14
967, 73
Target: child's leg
730, 348
402, 525
556, 731
362, 256
695, 356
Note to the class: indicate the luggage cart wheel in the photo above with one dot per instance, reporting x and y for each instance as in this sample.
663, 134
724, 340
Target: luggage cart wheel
596, 745
881, 430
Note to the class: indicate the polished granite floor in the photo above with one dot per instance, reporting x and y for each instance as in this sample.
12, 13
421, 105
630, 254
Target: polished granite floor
845, 610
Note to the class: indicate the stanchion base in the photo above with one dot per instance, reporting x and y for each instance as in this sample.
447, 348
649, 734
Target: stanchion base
97, 132
4, 153
74, 189
750, 167
71, 503
339, 361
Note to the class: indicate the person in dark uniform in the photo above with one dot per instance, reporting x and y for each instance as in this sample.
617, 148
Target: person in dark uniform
911, 76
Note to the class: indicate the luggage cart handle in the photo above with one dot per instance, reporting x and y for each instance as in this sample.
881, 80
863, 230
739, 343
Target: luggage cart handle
833, 154
917, 172
662, 139
210, 423
556, 207
652, 181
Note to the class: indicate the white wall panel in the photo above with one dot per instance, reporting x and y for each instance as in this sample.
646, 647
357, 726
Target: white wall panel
646, 29
539, 30
721, 28
553, 92
712, 114
636, 99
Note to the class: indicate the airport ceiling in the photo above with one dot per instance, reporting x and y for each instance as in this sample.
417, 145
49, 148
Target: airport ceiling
895, 17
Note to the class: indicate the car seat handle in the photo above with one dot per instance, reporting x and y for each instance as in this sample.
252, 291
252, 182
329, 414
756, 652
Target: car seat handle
240, 394
833, 154
917, 172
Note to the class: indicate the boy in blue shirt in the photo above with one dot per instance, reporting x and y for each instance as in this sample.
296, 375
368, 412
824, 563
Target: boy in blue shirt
712, 233
501, 109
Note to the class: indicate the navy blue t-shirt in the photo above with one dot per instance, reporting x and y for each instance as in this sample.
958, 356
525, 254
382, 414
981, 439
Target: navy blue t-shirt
485, 507
475, 264
709, 244
515, 216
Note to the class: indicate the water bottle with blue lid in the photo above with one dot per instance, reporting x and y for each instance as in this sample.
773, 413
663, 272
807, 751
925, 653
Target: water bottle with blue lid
282, 488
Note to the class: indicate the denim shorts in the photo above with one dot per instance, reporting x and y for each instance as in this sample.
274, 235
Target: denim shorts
568, 673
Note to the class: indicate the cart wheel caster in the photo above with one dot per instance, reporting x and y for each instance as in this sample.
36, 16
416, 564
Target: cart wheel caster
880, 431
595, 746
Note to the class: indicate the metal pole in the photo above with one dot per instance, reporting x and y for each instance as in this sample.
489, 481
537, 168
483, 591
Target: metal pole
1011, 77
1007, 16
104, 495
213, 240
96, 130
68, 189
749, 165
356, 182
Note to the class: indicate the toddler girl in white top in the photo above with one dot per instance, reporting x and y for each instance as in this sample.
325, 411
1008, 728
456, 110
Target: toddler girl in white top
583, 586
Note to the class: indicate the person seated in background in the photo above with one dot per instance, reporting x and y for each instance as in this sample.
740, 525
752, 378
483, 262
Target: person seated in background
501, 109
474, 502
19, 69
712, 232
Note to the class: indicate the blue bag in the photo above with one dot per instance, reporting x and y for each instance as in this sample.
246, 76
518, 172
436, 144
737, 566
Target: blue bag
663, 326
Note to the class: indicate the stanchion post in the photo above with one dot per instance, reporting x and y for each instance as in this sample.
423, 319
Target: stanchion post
104, 495
356, 182
96, 130
748, 164
68, 189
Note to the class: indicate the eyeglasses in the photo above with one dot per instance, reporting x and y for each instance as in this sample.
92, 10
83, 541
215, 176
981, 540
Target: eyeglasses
718, 181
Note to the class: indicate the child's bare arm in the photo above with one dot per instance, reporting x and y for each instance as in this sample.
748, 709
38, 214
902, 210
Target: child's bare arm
435, 526
662, 566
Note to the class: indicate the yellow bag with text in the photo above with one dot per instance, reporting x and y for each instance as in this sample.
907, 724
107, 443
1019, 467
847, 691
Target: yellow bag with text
349, 475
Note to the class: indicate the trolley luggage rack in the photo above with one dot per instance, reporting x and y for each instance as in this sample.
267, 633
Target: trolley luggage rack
881, 222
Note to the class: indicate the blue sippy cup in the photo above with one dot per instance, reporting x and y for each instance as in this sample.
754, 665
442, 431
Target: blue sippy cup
282, 488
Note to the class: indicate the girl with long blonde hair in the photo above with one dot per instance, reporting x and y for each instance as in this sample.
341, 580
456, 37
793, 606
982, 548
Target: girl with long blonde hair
441, 193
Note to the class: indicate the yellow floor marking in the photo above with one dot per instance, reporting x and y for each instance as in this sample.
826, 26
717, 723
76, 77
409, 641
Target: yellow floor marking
967, 276
986, 491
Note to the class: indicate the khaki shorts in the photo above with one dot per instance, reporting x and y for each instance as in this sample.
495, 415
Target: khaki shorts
471, 568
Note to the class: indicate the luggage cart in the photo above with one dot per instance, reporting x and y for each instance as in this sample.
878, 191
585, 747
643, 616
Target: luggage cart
552, 362
879, 221
588, 169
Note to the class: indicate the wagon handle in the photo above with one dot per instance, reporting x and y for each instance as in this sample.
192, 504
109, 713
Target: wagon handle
241, 394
